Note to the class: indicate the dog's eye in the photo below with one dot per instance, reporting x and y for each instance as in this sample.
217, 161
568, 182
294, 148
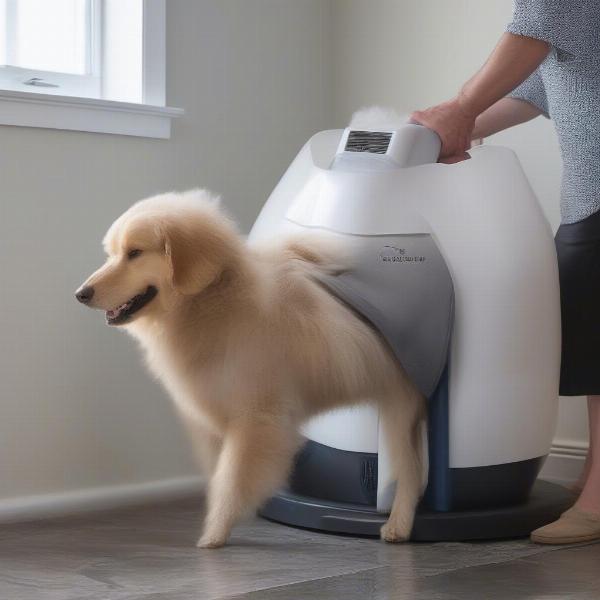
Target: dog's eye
133, 253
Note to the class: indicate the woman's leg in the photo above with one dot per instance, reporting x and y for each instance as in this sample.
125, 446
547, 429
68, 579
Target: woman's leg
580, 483
582, 522
589, 500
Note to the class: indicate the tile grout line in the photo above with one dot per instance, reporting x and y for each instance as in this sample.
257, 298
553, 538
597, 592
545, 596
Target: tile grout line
301, 581
509, 560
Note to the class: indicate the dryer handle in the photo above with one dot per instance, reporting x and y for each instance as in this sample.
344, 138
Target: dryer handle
415, 144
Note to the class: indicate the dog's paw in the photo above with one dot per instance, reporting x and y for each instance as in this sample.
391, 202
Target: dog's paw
211, 541
394, 533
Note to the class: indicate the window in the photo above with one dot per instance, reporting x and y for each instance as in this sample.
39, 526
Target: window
51, 45
90, 53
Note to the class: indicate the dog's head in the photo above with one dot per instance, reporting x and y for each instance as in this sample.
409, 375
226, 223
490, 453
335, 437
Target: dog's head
165, 247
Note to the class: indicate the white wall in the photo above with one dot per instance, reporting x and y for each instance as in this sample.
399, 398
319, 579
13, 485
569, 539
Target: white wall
256, 78
410, 54
78, 409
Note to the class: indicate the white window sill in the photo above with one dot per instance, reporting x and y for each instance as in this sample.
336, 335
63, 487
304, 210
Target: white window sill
52, 111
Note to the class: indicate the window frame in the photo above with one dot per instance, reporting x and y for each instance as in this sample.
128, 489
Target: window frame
154, 52
85, 110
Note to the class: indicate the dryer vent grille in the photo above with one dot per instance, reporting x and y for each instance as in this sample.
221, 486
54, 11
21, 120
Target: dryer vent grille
375, 142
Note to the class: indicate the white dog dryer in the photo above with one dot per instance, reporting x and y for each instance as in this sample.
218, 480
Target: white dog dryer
455, 266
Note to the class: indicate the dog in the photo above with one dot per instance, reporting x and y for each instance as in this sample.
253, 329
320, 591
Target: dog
249, 346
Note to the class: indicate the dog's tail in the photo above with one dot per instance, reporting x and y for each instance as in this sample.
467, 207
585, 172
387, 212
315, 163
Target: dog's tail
308, 252
321, 251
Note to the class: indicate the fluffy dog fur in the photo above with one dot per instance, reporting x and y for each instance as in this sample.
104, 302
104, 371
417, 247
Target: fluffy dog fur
249, 346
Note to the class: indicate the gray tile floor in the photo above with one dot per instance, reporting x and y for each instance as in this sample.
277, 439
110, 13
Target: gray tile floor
149, 553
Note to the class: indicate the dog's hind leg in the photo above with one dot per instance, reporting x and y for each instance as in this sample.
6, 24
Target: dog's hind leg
402, 415
255, 460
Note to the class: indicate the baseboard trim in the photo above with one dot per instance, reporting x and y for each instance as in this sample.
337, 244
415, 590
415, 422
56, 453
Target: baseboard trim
565, 462
99, 498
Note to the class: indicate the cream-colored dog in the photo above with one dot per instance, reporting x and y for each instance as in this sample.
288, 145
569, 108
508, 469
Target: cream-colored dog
249, 346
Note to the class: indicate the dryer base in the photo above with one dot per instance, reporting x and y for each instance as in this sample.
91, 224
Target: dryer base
546, 502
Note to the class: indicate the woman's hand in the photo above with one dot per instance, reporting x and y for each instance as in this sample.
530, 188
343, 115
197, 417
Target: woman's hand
454, 123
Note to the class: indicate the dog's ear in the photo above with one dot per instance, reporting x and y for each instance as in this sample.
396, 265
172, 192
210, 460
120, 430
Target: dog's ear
197, 253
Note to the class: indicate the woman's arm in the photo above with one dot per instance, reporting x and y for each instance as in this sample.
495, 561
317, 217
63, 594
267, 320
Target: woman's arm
505, 113
512, 61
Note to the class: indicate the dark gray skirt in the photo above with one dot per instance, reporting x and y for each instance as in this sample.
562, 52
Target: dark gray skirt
578, 250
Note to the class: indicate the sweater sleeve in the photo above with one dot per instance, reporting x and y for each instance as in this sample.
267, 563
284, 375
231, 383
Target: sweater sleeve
570, 26
532, 90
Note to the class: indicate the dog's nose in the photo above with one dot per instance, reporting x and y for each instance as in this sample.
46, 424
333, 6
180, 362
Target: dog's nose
84, 295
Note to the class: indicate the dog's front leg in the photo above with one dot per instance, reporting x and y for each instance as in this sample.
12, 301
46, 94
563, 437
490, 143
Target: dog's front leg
254, 461
206, 446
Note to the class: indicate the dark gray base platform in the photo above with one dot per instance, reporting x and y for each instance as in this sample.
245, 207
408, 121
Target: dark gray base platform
546, 502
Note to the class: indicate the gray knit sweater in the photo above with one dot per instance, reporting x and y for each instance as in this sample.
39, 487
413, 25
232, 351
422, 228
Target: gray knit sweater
566, 88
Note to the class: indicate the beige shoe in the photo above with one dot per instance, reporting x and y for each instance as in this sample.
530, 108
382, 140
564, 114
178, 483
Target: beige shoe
573, 526
576, 488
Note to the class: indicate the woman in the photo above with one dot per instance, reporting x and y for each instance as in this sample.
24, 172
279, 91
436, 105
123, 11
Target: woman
548, 61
